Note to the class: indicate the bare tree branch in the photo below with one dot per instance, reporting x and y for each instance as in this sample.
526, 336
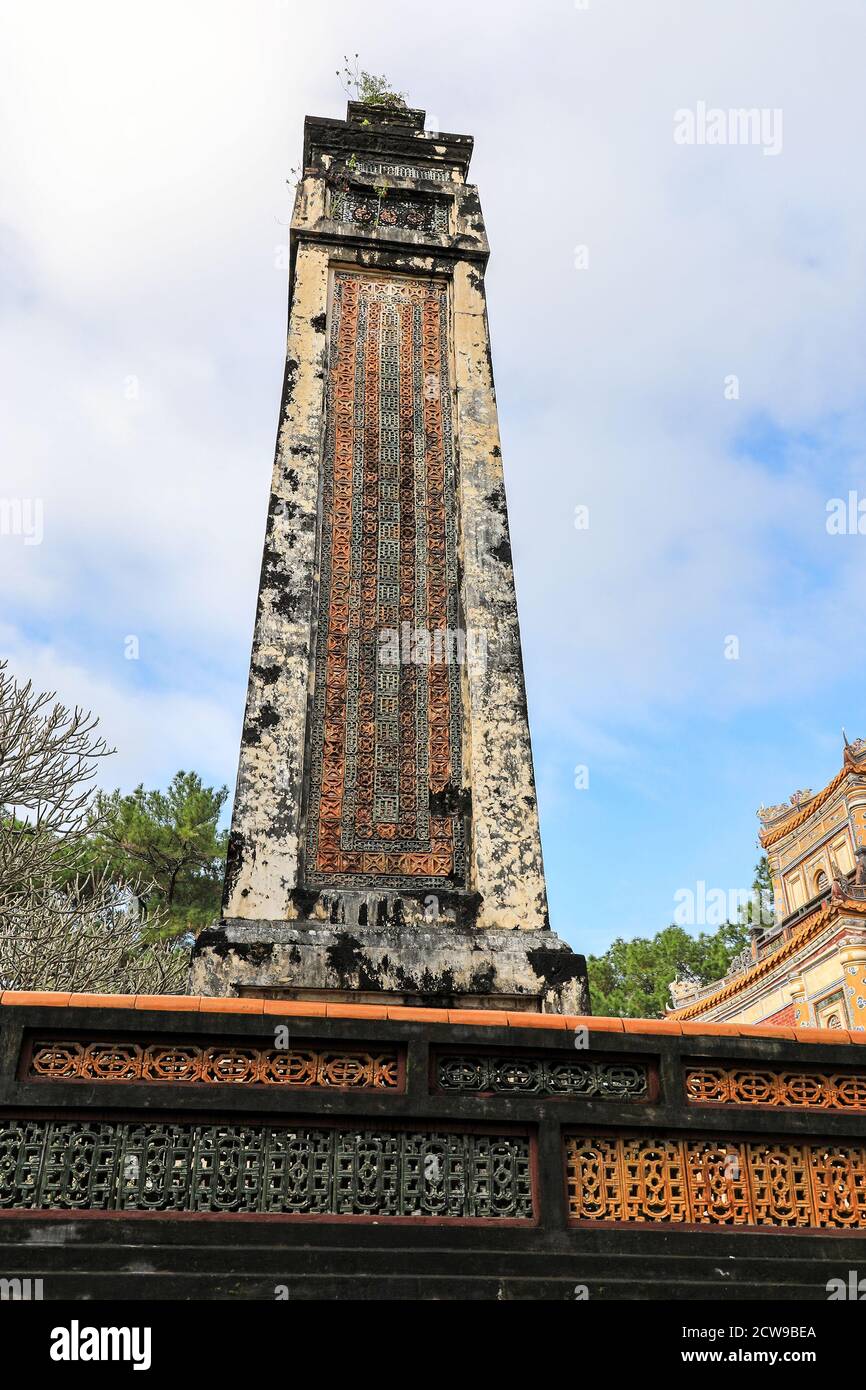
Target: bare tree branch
59, 930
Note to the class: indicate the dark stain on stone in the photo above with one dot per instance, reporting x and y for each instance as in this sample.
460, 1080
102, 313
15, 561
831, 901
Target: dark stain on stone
449, 800
273, 567
268, 675
556, 968
234, 864
353, 969
254, 952
319, 323
292, 478
212, 939
344, 957
496, 502
502, 551
255, 726
286, 604
483, 981
305, 901
290, 379
284, 822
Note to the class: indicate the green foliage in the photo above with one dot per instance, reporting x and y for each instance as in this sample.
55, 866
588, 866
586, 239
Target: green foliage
366, 87
632, 979
170, 843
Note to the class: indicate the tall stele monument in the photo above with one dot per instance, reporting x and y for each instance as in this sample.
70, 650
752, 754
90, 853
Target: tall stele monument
385, 841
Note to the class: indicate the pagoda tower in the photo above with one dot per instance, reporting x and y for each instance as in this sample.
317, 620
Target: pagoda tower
385, 839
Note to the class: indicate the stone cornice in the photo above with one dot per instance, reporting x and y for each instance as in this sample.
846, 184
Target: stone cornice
402, 140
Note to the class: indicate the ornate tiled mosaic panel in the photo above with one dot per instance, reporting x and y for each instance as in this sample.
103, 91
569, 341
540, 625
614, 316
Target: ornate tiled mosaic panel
399, 210
717, 1182
339, 1067
87, 1165
489, 1073
386, 736
788, 1087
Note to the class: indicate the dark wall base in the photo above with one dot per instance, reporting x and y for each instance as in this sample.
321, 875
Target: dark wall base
218, 1259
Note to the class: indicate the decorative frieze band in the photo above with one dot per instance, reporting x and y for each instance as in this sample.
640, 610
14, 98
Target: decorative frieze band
137, 1166
396, 210
789, 1087
492, 1074
716, 1182
179, 1063
403, 171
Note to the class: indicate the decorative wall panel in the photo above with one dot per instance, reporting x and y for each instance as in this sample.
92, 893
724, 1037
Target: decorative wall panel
385, 731
796, 1088
489, 1073
342, 1068
251, 1168
394, 210
716, 1182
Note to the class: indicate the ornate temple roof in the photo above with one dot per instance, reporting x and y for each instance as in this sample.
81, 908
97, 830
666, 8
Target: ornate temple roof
779, 821
837, 905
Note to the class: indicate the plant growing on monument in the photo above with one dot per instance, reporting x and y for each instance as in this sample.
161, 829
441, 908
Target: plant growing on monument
366, 87
64, 924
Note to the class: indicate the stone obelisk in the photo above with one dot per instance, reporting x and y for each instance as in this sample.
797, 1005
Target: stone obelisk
385, 841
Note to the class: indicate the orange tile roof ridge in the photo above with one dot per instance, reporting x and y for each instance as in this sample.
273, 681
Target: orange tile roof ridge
479, 1018
799, 814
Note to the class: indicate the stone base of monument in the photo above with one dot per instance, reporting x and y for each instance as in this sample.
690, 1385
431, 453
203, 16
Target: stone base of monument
407, 964
192, 1148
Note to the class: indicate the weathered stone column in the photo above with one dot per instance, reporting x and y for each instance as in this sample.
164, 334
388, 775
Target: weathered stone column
385, 837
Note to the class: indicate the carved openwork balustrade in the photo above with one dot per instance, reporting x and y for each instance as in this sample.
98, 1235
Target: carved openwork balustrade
120, 1113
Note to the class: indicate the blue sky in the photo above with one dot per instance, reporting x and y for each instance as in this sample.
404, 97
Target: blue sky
143, 207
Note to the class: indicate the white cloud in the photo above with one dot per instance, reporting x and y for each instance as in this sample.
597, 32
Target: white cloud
154, 732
